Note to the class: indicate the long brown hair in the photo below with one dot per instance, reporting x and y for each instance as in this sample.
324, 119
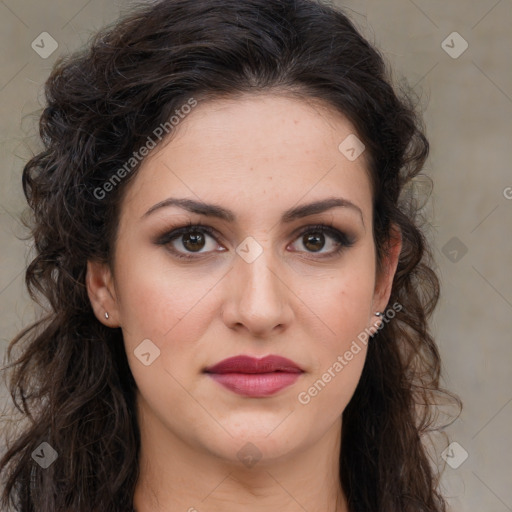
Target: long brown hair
71, 381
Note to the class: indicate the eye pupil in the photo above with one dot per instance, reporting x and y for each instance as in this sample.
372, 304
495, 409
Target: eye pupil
193, 237
317, 238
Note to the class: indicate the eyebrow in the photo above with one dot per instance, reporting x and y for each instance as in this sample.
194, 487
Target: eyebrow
298, 212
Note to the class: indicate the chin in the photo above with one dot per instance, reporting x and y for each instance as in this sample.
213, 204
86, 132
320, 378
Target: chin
261, 441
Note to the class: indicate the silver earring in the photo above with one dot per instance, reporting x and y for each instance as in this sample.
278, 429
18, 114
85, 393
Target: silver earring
378, 313
106, 315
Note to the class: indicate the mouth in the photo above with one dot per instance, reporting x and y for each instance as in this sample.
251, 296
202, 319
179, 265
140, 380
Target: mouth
253, 377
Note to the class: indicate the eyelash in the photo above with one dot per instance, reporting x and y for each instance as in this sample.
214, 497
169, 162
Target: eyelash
341, 238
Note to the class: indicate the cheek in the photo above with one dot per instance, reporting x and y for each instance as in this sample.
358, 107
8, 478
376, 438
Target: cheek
156, 300
173, 309
330, 390
340, 354
343, 306
341, 303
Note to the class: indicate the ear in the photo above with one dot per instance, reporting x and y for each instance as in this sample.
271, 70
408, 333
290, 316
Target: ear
384, 282
101, 291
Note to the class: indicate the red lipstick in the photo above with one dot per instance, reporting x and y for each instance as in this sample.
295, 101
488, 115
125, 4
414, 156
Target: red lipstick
253, 377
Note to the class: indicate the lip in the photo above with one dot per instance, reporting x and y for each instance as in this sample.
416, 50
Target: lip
249, 376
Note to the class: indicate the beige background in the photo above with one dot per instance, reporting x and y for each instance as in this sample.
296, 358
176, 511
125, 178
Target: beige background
468, 112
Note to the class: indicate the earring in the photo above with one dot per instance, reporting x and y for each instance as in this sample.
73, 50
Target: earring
106, 315
380, 314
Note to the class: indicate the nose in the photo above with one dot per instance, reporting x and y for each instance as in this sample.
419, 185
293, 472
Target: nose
257, 297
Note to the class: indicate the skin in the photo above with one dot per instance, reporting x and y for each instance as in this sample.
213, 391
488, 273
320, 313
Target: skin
258, 156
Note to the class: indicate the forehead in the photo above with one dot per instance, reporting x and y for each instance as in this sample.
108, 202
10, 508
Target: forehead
252, 150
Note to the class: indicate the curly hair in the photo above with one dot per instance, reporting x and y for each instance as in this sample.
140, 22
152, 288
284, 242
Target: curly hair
71, 381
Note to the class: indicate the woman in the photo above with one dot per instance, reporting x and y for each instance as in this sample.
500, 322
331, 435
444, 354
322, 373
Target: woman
238, 293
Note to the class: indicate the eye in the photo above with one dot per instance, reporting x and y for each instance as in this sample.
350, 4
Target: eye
315, 238
192, 239
189, 239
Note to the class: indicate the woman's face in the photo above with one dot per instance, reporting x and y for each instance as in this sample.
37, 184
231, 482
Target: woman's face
265, 281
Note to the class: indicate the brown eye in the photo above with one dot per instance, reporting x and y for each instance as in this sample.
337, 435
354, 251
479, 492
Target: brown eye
316, 238
193, 241
187, 240
314, 241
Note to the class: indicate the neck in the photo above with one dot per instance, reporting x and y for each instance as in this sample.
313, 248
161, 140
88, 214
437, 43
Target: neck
177, 476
